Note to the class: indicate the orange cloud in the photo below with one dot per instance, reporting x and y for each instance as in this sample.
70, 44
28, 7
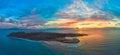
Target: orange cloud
98, 22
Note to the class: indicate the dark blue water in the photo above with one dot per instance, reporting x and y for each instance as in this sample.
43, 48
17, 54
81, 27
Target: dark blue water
98, 42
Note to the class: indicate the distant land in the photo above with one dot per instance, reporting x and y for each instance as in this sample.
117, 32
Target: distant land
48, 36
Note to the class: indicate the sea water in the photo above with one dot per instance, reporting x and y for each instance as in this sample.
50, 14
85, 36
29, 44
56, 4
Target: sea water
104, 41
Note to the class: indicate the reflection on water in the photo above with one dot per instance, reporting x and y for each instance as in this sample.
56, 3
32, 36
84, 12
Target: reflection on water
92, 41
94, 36
101, 41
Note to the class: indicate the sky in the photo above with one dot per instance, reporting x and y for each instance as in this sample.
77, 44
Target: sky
59, 13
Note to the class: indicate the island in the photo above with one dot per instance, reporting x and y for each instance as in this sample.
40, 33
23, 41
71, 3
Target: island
48, 36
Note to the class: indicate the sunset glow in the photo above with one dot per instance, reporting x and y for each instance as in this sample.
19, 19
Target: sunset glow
96, 24
73, 14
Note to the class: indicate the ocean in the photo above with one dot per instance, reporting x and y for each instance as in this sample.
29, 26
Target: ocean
100, 41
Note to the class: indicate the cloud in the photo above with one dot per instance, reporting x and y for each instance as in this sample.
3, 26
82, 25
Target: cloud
63, 22
52, 14
86, 23
79, 9
84, 9
9, 25
30, 21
